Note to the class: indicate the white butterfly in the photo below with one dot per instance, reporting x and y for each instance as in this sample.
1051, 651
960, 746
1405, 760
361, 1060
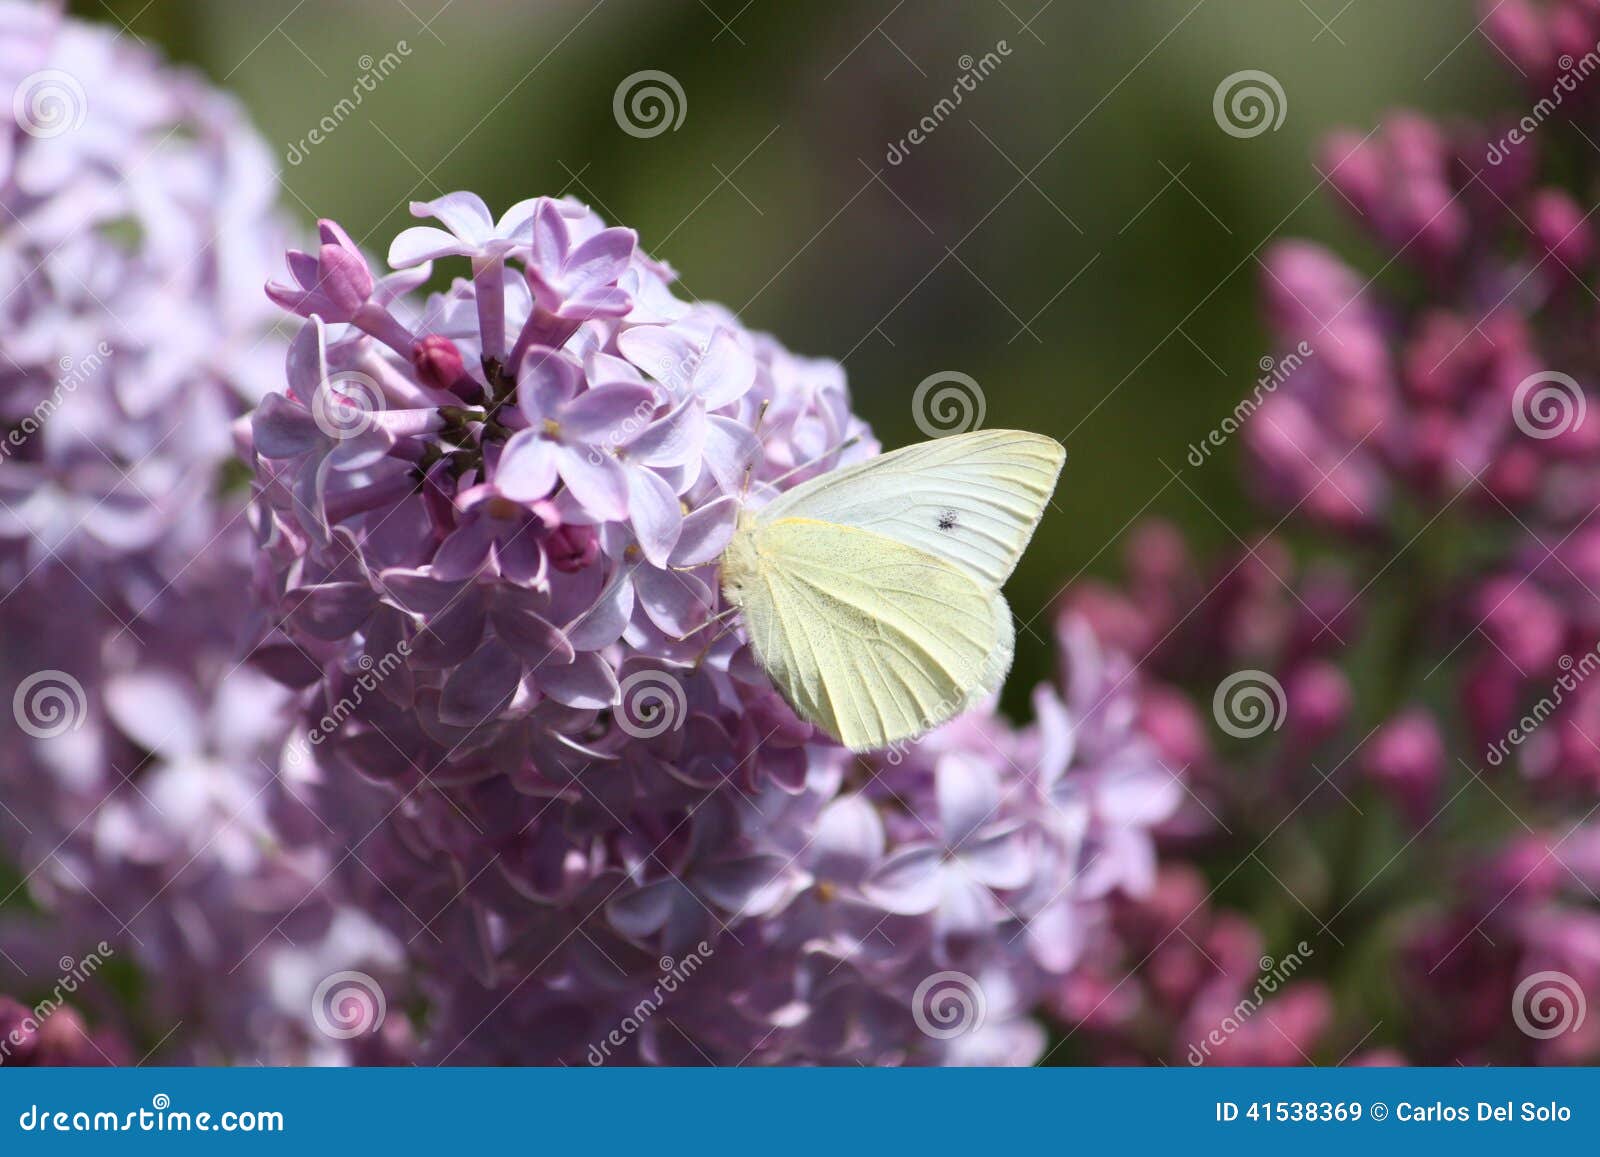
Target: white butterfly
871, 595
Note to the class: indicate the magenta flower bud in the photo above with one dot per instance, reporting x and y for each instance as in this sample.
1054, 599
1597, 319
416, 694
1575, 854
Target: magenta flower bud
1562, 229
1516, 29
1573, 30
1157, 555
334, 284
1378, 1059
1527, 627
1406, 760
1526, 868
1446, 359
342, 272
571, 548
438, 363
1514, 476
1319, 699
15, 1027
1353, 168
1327, 611
1175, 725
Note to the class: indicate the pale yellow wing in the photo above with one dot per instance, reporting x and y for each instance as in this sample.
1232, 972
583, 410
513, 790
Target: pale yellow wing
870, 639
973, 499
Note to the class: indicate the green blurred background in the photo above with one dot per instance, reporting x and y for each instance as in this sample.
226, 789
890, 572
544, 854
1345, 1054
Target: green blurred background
1079, 236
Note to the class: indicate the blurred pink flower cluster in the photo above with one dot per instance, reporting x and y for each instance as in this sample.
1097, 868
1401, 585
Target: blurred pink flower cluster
1428, 440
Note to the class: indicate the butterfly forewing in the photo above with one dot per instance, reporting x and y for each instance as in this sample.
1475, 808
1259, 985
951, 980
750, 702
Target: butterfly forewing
972, 499
868, 637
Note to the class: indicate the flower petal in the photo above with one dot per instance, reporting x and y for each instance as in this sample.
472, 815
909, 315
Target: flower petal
907, 883
422, 243
527, 468
612, 414
655, 513
726, 371
969, 797
461, 212
478, 689
597, 480
587, 681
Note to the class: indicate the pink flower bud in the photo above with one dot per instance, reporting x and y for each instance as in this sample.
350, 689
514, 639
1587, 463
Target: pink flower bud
439, 364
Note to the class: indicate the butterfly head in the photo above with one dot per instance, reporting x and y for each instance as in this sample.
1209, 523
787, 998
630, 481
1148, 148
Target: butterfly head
741, 560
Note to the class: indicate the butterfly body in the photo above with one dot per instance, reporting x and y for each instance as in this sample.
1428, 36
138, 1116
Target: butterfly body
871, 594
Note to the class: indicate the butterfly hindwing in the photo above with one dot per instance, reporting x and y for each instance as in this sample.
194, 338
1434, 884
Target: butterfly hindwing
868, 637
972, 499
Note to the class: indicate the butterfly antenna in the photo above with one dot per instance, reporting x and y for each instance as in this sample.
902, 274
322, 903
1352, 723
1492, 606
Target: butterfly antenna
810, 462
750, 466
706, 650
716, 618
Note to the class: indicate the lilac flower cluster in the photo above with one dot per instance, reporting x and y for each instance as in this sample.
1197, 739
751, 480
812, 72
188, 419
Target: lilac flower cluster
138, 762
489, 522
1182, 983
